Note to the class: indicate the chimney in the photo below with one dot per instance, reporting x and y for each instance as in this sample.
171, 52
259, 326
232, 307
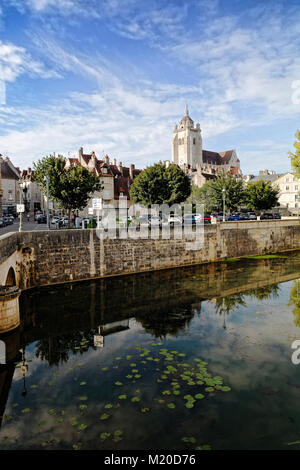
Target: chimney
131, 168
114, 161
106, 159
120, 168
80, 153
93, 160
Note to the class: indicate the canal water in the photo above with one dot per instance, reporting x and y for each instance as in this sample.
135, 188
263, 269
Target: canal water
192, 358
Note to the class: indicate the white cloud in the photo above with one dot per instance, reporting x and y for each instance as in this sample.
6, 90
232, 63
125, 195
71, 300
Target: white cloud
15, 61
250, 65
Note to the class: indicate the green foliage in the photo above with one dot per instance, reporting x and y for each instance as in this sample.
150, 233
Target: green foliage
71, 188
261, 195
211, 194
160, 185
295, 157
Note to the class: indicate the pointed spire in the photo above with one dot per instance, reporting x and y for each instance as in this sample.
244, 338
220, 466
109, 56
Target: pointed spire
186, 110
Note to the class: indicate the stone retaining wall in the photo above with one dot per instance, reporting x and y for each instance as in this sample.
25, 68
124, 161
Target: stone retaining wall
69, 255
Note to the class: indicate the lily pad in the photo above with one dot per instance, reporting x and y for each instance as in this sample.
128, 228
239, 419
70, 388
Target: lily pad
135, 399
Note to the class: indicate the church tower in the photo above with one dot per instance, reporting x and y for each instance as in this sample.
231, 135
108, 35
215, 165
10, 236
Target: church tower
187, 143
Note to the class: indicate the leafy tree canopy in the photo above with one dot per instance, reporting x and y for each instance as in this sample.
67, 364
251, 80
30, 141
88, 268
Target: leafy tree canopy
211, 193
71, 188
160, 185
261, 195
295, 157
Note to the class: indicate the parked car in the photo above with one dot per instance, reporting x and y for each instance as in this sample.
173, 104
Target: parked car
174, 219
64, 221
252, 216
54, 220
42, 219
2, 224
37, 215
266, 216
188, 219
244, 216
277, 216
232, 217
207, 219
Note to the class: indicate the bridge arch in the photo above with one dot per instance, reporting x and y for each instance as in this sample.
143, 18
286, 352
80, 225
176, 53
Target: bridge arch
11, 277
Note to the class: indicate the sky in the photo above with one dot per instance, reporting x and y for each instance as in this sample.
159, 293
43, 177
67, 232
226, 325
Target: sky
114, 76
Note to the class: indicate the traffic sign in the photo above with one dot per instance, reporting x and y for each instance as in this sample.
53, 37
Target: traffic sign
20, 208
97, 203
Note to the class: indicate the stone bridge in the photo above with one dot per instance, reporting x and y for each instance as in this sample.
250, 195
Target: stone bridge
17, 260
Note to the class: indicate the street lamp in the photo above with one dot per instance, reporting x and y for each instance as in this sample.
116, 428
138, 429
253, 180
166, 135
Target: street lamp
46, 178
223, 193
23, 198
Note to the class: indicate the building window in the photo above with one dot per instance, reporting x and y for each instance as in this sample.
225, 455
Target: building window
296, 197
287, 188
194, 141
286, 180
10, 196
296, 188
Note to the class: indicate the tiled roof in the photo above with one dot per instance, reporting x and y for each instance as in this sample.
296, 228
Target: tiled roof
226, 156
7, 172
217, 158
121, 175
74, 161
122, 185
213, 158
265, 178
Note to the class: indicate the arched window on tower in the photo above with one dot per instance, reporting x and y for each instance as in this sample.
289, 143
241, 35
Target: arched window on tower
194, 141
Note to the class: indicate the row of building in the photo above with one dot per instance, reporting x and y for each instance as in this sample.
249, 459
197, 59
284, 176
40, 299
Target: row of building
19, 186
200, 165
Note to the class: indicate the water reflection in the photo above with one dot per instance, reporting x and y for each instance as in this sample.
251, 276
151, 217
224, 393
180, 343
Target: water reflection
295, 301
88, 321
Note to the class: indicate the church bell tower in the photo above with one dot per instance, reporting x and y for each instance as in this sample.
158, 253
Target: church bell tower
187, 143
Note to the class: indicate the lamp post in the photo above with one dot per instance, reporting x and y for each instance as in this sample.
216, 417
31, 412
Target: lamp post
223, 194
0, 185
23, 192
47, 192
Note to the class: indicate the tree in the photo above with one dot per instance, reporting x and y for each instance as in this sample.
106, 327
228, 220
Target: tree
71, 188
261, 195
202, 196
211, 193
158, 184
295, 157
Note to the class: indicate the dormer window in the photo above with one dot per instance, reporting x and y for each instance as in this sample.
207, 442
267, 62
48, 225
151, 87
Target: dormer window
105, 171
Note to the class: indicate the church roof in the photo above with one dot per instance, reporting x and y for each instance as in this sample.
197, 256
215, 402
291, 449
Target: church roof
217, 158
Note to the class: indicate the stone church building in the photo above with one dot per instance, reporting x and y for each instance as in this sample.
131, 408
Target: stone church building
201, 165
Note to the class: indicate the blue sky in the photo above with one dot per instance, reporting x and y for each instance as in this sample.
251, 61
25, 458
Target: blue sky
113, 76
